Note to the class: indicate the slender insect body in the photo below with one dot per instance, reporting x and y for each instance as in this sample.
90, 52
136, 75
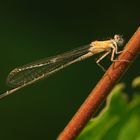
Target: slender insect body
33, 72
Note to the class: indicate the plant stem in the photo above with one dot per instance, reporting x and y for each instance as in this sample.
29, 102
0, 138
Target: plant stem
102, 89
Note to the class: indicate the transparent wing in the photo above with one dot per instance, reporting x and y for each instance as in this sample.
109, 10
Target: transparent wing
43, 68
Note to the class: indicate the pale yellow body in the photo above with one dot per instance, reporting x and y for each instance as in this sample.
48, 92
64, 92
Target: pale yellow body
26, 75
100, 46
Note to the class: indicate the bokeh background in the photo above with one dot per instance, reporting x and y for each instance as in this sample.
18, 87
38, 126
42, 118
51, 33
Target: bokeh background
31, 30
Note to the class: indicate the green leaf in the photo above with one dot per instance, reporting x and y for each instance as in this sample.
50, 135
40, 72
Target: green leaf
119, 120
136, 82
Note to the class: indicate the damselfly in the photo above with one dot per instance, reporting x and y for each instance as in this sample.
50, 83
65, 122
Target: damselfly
33, 72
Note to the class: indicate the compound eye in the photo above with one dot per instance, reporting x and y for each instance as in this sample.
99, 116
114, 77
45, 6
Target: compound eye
117, 37
119, 40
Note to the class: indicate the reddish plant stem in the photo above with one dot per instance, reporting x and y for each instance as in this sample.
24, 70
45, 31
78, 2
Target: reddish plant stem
102, 89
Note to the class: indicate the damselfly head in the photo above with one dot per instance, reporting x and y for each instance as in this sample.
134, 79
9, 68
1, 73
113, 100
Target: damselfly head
119, 40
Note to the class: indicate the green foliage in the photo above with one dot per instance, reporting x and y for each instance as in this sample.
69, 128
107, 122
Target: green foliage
119, 120
136, 82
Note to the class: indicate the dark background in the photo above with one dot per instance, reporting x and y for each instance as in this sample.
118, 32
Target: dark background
30, 30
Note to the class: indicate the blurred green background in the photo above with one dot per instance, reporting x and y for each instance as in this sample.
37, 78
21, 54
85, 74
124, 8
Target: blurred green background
31, 30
